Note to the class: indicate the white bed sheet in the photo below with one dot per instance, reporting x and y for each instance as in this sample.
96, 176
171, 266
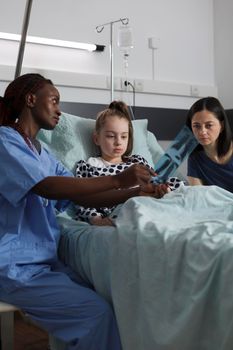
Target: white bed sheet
167, 268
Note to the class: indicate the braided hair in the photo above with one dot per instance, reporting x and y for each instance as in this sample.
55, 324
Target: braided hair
13, 101
119, 109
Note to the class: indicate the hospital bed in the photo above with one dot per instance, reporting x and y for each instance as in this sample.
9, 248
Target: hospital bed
167, 265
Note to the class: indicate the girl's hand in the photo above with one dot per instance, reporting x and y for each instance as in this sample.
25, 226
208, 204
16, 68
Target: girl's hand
137, 174
152, 190
161, 190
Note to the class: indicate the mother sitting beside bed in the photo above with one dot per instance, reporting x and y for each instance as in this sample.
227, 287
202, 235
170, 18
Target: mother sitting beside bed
211, 162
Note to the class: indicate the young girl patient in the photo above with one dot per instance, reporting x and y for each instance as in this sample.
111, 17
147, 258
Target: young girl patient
114, 136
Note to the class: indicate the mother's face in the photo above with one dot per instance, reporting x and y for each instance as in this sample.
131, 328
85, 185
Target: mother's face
206, 127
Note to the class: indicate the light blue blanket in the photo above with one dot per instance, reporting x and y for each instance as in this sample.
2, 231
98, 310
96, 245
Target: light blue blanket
167, 268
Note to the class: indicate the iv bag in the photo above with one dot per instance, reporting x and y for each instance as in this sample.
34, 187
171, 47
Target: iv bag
125, 38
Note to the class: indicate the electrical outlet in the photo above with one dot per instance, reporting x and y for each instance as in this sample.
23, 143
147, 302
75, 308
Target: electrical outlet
194, 91
123, 86
127, 87
138, 85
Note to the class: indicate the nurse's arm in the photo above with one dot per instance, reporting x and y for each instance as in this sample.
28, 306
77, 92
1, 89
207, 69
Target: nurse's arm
114, 197
85, 192
61, 187
194, 181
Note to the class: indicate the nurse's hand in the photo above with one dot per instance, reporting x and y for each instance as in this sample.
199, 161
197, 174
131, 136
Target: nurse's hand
137, 174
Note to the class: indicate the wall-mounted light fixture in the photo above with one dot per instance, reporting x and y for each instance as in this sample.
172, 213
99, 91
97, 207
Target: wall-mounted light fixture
53, 42
23, 38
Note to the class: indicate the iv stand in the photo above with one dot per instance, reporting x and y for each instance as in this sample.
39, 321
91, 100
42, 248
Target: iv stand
99, 29
23, 38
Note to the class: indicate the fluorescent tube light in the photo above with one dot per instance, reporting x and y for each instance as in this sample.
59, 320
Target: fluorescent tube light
53, 42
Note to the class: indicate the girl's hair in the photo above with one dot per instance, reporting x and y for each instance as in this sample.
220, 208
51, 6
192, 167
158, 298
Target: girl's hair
119, 109
213, 105
13, 102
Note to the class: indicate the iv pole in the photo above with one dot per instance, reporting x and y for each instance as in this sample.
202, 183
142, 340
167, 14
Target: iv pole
23, 38
99, 29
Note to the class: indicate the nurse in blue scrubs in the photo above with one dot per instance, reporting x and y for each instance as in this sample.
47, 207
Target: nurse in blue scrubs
33, 185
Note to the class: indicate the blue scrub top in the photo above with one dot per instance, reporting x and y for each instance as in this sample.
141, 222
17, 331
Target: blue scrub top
28, 228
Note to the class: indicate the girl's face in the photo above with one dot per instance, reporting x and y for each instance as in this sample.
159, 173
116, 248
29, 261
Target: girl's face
113, 139
206, 128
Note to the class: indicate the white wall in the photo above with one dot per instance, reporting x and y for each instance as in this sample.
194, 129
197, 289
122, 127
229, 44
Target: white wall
223, 24
185, 56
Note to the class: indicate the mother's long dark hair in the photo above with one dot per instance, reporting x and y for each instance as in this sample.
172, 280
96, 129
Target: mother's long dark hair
213, 105
13, 101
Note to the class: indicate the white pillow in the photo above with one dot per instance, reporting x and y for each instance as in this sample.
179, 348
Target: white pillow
71, 140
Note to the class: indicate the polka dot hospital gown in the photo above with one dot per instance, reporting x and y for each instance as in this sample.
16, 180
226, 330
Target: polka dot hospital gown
95, 167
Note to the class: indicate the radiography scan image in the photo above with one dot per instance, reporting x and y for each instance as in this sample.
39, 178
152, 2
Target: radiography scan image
180, 148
